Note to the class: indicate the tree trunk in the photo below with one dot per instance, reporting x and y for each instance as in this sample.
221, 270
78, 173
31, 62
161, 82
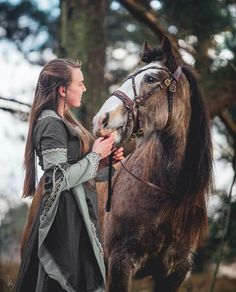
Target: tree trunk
82, 37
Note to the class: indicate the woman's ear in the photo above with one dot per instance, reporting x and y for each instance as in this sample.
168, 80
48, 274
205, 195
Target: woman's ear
62, 91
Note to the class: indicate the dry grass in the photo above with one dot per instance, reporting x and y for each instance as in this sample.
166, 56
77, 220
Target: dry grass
202, 283
8, 276
196, 283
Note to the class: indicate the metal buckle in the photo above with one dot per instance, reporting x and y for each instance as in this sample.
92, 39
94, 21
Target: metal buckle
132, 136
140, 132
172, 87
167, 82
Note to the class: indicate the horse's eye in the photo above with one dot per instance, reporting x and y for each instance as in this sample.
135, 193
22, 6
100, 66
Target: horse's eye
150, 79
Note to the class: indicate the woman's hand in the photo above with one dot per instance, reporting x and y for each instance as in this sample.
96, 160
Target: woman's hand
118, 154
103, 146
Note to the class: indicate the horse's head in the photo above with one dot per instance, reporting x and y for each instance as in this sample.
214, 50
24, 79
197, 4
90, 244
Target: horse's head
146, 102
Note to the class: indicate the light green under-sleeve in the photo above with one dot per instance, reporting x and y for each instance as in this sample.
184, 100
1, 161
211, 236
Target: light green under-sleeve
75, 174
82, 171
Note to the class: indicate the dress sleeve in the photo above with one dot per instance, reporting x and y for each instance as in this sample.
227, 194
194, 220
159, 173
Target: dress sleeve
53, 145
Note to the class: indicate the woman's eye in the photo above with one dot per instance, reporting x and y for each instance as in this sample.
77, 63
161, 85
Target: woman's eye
150, 79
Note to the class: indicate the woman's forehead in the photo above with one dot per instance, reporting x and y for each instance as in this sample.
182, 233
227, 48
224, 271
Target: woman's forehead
77, 75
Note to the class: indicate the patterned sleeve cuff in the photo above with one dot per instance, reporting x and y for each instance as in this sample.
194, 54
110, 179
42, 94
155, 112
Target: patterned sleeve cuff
54, 156
96, 158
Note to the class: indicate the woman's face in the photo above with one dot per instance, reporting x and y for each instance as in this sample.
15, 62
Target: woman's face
75, 89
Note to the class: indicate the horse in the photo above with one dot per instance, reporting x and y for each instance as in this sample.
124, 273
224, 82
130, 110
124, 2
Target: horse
158, 215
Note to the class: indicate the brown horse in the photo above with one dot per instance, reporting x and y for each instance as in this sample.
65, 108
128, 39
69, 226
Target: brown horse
158, 210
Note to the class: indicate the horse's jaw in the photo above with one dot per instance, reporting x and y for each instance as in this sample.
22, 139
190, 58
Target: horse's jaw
111, 123
115, 133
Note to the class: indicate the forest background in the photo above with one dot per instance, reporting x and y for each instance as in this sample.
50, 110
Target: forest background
107, 37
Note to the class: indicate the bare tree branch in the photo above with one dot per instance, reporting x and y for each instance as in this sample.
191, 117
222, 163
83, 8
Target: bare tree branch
149, 17
15, 107
16, 101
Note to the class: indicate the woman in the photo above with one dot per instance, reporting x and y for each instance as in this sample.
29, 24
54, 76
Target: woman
63, 252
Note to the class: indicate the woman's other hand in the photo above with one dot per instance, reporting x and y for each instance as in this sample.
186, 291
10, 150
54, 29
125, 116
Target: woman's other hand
118, 154
103, 146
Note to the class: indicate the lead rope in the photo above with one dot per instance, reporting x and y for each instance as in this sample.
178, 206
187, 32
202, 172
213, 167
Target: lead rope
108, 205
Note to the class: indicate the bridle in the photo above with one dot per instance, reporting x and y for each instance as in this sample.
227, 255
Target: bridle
133, 106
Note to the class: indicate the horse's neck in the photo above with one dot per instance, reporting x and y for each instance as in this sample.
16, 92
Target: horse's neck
160, 157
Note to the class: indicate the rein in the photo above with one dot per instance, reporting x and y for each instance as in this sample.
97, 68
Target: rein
146, 182
134, 116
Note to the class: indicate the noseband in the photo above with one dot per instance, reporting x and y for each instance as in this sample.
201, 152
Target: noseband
133, 106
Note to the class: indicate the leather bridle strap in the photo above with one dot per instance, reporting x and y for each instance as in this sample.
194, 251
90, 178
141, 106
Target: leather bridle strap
130, 105
133, 115
128, 102
133, 105
170, 94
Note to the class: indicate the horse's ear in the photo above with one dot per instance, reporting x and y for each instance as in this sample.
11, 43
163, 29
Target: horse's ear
151, 54
146, 47
145, 52
170, 60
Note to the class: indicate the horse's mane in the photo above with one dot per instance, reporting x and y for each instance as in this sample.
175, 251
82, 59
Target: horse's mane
195, 177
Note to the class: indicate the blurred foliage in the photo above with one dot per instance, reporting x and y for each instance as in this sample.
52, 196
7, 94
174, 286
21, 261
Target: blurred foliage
11, 227
122, 27
30, 28
202, 283
208, 253
8, 277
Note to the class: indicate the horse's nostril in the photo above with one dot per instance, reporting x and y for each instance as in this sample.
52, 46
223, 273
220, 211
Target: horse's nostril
105, 120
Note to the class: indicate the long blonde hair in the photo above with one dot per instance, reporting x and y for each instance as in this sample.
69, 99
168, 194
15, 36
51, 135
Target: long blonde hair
56, 73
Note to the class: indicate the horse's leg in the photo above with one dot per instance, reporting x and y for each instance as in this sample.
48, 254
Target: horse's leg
172, 282
120, 270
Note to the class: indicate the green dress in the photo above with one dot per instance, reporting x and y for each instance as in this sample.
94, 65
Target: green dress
63, 252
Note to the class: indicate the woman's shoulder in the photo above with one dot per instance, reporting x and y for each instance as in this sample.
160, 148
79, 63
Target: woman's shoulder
49, 121
49, 116
49, 124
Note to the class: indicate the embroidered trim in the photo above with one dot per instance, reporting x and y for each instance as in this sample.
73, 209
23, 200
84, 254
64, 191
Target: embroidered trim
54, 150
48, 113
98, 243
50, 200
96, 158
